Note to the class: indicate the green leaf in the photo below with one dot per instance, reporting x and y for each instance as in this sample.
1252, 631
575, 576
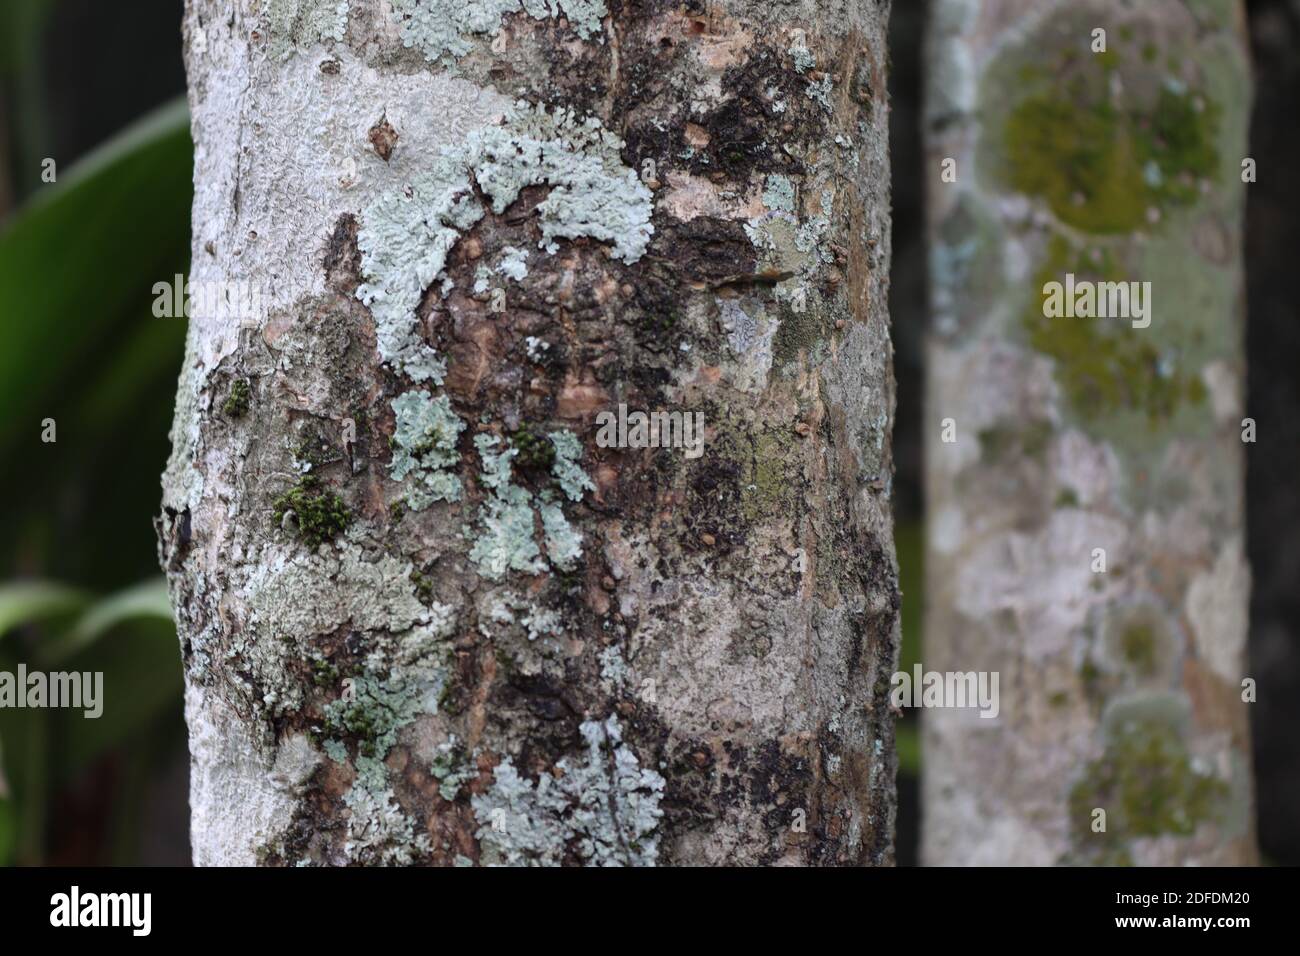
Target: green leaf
130, 639
23, 731
82, 255
146, 600
23, 92
26, 602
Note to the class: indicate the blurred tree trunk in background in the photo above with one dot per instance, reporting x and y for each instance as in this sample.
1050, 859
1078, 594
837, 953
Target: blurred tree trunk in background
1087, 443
425, 616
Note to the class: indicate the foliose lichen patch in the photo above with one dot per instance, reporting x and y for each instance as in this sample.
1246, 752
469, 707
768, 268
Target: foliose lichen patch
380, 832
291, 24
573, 481
603, 808
424, 448
406, 235
508, 537
446, 28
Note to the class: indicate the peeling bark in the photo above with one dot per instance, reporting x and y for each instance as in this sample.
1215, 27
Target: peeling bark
426, 617
1121, 690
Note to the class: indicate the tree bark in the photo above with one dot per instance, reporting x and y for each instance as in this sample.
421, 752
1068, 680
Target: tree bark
427, 614
1120, 669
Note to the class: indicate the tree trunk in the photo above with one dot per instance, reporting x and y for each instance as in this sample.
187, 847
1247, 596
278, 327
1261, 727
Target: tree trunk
432, 608
1085, 525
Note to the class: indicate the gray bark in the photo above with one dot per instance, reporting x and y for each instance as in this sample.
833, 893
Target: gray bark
426, 617
1121, 690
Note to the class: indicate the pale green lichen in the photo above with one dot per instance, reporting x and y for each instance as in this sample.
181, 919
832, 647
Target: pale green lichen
298, 23
509, 608
802, 56
452, 768
820, 92
292, 600
405, 676
583, 15
379, 831
563, 543
811, 237
294, 596
572, 479
508, 541
513, 264
424, 448
788, 244
613, 668
439, 28
778, 194
496, 464
499, 610
604, 807
407, 234
376, 706
336, 751
542, 622
592, 193
404, 243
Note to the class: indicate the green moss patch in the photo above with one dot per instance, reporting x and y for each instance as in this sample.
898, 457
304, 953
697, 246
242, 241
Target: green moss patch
1146, 781
319, 515
534, 451
1015, 442
237, 401
1100, 164
1103, 365
1104, 139
1147, 785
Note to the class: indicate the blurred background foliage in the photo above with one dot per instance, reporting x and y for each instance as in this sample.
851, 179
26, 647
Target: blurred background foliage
101, 93
79, 582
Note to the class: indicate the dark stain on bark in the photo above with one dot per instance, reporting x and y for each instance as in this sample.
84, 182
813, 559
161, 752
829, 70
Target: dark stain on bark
342, 257
383, 138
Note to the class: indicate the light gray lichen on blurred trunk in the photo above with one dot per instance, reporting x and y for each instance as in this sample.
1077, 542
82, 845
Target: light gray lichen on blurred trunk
1084, 534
